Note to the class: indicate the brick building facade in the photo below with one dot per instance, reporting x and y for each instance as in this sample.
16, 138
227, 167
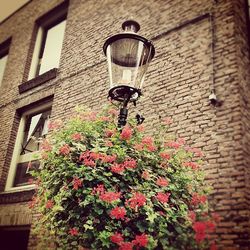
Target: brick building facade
194, 55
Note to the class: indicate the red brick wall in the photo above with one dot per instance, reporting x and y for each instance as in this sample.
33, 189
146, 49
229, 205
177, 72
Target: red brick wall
178, 84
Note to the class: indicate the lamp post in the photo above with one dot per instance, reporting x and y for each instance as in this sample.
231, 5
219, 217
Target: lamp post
128, 56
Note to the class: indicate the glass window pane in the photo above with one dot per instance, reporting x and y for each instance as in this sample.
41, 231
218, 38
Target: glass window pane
3, 61
53, 47
22, 173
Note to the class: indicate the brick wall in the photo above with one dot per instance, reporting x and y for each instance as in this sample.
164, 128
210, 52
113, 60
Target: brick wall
178, 84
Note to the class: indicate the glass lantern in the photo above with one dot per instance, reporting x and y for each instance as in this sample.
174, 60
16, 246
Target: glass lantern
128, 56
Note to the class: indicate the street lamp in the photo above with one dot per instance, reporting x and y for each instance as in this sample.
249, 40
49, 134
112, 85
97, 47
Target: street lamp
128, 56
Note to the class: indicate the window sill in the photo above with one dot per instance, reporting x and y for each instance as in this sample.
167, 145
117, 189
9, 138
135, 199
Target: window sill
39, 80
17, 194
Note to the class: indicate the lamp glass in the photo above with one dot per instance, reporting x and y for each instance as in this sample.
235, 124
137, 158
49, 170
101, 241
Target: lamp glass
128, 60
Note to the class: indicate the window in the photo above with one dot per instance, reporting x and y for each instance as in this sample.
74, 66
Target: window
32, 128
49, 41
4, 50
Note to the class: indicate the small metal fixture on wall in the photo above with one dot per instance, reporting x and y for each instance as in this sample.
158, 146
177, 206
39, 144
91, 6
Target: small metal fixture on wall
128, 56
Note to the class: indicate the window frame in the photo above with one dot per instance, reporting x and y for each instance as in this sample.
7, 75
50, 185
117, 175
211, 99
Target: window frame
42, 25
9, 186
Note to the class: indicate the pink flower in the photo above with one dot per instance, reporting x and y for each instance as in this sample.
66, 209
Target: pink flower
76, 137
118, 213
147, 140
136, 201
165, 155
117, 168
181, 141
49, 204
192, 165
104, 118
117, 238
197, 152
162, 182
139, 146
126, 133
162, 197
110, 196
141, 240
99, 189
73, 231
108, 158
64, 150
129, 163
173, 144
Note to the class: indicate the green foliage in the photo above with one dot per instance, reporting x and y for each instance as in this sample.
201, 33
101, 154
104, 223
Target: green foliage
102, 188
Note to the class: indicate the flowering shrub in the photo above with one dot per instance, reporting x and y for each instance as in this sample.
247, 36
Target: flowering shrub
101, 188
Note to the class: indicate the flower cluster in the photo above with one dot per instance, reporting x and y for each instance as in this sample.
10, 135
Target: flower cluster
102, 187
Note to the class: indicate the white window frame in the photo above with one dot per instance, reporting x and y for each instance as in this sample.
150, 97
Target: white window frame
16, 158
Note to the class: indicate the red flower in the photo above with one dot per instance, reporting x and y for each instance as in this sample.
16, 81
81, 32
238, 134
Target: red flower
136, 201
126, 246
181, 141
198, 199
141, 240
73, 231
117, 238
151, 148
49, 204
99, 189
129, 163
126, 133
165, 155
76, 137
195, 151
89, 163
200, 231
162, 182
104, 118
64, 150
76, 183
216, 217
110, 196
192, 165
117, 168
118, 213
162, 197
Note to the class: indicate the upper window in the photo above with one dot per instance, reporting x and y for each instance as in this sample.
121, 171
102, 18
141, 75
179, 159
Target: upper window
4, 50
49, 41
33, 127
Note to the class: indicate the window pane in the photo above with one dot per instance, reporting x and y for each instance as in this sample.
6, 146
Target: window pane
22, 173
3, 61
35, 127
53, 47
